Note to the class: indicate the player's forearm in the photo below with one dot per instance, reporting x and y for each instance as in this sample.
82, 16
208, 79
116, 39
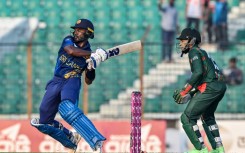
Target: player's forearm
89, 76
197, 70
73, 51
79, 53
190, 85
195, 78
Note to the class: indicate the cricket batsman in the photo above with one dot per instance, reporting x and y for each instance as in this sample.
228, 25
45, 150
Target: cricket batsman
62, 91
204, 91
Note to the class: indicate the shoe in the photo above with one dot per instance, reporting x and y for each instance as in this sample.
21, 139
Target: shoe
99, 145
218, 150
74, 139
35, 122
204, 150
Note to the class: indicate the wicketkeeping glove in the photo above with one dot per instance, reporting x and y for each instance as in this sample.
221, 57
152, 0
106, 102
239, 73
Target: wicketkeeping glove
180, 98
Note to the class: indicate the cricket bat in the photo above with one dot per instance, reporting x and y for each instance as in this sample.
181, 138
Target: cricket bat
124, 48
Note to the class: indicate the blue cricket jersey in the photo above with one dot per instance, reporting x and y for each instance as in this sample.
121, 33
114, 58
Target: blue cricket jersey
68, 66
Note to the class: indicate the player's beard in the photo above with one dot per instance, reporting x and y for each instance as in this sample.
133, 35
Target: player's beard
79, 39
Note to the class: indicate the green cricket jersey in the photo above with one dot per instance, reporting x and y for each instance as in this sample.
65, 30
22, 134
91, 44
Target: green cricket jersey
203, 67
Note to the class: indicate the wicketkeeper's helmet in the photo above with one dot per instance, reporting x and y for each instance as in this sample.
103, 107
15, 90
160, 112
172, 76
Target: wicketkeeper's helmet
189, 34
193, 37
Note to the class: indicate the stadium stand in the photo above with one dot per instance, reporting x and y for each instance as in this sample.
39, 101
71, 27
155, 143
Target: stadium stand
116, 21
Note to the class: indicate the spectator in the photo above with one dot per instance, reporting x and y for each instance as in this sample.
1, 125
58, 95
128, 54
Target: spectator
233, 75
169, 26
194, 12
208, 20
220, 23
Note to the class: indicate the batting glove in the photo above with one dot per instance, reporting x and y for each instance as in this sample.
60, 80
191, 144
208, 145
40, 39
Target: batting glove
102, 53
93, 61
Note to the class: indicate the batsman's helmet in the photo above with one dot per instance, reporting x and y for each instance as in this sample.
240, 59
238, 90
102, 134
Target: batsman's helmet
85, 24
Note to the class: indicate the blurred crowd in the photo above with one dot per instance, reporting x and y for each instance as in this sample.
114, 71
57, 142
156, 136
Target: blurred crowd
209, 17
233, 74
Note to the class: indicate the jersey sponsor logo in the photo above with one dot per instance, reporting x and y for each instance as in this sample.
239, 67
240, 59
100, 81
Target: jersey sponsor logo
71, 64
114, 52
70, 74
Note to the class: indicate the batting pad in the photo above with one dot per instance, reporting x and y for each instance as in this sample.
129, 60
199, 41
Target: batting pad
75, 117
55, 133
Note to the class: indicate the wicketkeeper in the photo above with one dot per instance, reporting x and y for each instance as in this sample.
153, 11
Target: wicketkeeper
204, 91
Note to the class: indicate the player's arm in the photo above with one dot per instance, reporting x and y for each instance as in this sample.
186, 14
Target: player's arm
196, 69
160, 6
184, 95
89, 76
68, 47
77, 52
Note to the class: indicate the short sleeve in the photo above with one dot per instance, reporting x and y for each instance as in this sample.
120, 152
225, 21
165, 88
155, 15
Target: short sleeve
67, 42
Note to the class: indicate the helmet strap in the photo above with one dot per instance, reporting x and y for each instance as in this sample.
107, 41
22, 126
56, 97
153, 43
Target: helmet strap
186, 48
191, 42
